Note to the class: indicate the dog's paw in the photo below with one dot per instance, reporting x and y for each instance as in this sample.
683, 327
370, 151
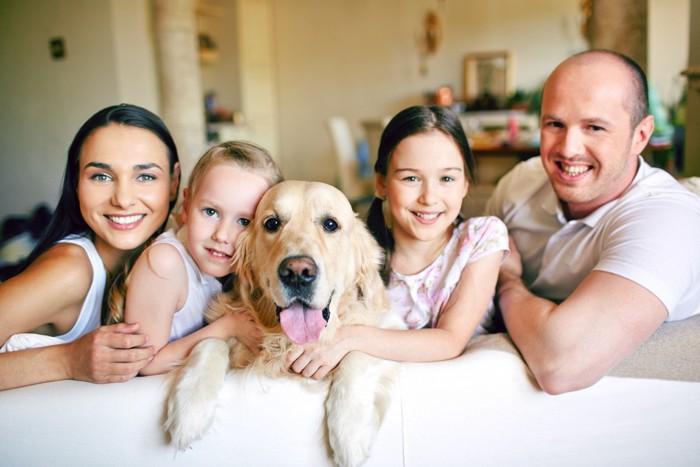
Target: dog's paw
191, 405
352, 443
351, 433
356, 405
348, 455
189, 418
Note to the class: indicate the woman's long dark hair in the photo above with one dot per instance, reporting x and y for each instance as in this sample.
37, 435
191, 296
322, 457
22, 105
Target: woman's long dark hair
411, 121
67, 218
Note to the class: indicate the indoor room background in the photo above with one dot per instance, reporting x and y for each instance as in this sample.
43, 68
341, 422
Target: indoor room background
61, 60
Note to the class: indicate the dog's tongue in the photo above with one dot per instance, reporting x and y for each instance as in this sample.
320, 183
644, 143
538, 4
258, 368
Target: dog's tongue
302, 324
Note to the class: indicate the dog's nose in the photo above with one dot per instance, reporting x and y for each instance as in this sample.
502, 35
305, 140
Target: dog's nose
297, 271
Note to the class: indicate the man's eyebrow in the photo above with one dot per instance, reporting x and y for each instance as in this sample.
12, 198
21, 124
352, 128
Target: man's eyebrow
598, 120
587, 120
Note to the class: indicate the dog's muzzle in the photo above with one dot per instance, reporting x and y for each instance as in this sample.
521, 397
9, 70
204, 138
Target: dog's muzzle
300, 321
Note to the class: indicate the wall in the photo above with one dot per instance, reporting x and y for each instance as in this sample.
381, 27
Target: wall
357, 58
692, 147
134, 49
44, 101
360, 59
668, 47
222, 76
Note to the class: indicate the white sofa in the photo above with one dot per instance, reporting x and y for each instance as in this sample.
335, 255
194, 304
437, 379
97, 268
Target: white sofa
482, 408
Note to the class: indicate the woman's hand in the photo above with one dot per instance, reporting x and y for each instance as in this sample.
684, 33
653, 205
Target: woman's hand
317, 360
108, 354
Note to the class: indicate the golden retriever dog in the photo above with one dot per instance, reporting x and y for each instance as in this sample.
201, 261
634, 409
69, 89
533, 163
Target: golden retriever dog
306, 265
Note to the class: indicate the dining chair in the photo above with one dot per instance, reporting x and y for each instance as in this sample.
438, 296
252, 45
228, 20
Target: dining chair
359, 190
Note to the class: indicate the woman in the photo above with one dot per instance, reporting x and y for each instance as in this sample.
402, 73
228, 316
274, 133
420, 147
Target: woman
121, 181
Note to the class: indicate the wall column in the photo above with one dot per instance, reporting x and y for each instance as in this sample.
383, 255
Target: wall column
692, 123
619, 25
180, 79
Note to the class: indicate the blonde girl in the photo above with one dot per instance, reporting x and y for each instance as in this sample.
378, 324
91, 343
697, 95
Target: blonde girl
174, 279
441, 268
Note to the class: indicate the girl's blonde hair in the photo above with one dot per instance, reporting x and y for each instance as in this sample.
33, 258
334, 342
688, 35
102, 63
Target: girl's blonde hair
246, 155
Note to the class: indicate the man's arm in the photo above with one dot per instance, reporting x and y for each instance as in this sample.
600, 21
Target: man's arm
572, 345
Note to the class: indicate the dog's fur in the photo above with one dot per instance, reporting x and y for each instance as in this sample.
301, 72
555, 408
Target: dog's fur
306, 248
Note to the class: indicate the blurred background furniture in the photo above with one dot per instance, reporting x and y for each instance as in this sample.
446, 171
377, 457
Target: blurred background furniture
359, 188
18, 237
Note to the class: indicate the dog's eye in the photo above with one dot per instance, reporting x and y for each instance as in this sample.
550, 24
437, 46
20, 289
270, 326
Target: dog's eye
272, 224
330, 225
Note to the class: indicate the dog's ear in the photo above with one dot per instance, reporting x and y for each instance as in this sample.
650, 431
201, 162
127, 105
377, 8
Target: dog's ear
242, 259
247, 289
367, 253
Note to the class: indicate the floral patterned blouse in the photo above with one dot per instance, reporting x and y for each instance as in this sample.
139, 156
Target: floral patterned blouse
420, 298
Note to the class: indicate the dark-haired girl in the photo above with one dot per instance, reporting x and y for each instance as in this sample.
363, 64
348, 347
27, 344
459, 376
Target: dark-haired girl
441, 269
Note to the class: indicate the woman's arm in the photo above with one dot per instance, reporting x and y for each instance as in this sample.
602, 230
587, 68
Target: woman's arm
108, 354
51, 291
459, 319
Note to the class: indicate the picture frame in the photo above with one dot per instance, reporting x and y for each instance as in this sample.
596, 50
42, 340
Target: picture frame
490, 72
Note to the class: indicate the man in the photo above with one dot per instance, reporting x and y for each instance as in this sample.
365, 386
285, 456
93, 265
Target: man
604, 248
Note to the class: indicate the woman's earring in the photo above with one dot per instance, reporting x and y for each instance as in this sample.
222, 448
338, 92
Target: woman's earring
380, 197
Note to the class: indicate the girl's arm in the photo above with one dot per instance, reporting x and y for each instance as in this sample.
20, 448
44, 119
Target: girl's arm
458, 321
51, 291
240, 325
157, 290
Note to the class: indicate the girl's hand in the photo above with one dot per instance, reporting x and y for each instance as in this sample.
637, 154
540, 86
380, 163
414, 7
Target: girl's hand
317, 360
109, 354
246, 330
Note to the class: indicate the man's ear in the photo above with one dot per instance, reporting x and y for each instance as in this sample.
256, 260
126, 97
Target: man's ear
642, 134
